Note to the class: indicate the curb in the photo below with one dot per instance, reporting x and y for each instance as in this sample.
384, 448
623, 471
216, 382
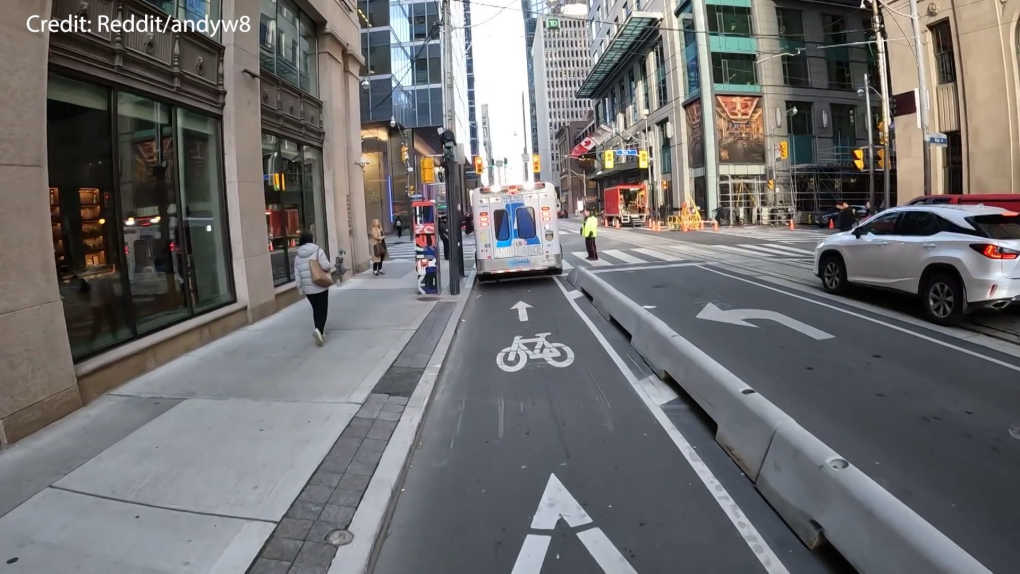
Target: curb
375, 506
816, 491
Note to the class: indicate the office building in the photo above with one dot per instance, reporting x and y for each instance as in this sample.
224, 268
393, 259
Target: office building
560, 54
971, 54
157, 185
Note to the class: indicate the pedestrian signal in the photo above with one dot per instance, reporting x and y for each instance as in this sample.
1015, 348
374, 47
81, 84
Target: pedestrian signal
859, 159
784, 149
608, 159
642, 159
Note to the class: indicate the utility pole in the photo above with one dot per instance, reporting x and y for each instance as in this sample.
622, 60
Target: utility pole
451, 164
525, 155
871, 143
883, 81
922, 94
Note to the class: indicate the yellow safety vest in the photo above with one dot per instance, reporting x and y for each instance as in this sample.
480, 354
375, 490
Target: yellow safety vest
590, 227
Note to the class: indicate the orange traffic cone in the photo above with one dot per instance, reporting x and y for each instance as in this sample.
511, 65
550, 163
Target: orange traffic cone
831, 224
702, 226
715, 226
791, 224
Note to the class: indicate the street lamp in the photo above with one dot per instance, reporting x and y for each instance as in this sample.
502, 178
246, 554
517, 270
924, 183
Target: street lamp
866, 92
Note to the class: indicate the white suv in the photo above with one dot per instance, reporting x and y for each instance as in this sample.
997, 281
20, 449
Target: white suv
955, 258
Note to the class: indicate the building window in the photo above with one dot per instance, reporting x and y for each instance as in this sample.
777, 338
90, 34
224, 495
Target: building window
190, 10
634, 113
292, 183
945, 56
791, 23
645, 96
729, 20
666, 152
733, 69
954, 163
795, 70
839, 75
660, 75
138, 218
287, 44
834, 28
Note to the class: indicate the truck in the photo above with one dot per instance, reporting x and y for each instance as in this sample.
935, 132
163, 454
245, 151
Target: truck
627, 204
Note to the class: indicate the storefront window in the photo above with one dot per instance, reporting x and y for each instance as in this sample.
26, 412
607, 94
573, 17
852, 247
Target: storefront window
150, 224
83, 216
204, 210
294, 201
127, 261
287, 44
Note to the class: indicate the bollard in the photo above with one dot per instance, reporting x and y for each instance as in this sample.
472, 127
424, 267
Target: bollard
715, 225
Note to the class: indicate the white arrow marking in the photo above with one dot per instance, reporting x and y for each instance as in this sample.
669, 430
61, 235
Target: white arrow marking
558, 503
522, 310
740, 316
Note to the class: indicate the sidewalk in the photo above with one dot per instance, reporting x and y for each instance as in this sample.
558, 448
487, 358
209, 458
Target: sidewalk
243, 454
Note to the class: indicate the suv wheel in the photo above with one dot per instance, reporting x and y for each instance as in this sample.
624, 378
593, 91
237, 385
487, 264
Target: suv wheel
943, 299
833, 274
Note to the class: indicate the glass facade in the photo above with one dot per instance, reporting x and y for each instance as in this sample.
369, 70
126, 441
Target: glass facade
385, 44
190, 10
386, 175
287, 44
137, 211
292, 180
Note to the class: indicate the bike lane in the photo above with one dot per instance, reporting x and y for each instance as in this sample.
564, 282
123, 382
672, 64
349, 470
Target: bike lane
554, 467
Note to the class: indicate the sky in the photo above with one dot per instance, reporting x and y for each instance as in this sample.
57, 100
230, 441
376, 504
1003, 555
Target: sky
501, 76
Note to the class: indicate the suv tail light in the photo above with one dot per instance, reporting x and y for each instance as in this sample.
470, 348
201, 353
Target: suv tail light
994, 251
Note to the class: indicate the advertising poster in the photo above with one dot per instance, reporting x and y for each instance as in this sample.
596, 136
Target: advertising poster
695, 136
740, 129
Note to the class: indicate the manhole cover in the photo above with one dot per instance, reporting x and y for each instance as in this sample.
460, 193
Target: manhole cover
339, 537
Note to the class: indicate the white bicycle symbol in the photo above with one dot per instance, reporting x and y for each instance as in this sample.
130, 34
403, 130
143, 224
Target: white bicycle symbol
514, 357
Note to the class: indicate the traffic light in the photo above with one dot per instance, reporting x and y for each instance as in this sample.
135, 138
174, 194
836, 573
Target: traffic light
479, 165
428, 170
536, 163
642, 159
608, 159
880, 164
881, 133
859, 159
772, 185
403, 153
784, 149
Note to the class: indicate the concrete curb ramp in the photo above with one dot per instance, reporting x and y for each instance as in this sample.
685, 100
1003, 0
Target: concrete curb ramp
817, 492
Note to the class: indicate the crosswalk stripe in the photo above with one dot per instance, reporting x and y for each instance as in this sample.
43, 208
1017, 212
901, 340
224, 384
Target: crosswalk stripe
658, 254
769, 250
796, 250
598, 263
739, 251
579, 254
625, 257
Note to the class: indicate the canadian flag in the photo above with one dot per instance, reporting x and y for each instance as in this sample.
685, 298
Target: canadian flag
586, 145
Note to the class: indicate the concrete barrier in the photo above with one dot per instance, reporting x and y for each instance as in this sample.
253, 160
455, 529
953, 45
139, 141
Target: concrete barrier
818, 493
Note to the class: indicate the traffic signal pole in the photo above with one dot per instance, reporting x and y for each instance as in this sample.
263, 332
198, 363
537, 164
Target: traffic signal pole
871, 144
451, 165
883, 82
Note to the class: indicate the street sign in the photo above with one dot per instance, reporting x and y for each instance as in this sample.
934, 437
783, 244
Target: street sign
608, 159
558, 504
938, 139
740, 316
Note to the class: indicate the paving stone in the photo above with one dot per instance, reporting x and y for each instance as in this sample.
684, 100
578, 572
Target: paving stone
339, 515
369, 455
354, 482
368, 413
346, 445
373, 444
309, 569
320, 529
392, 408
316, 493
282, 549
377, 398
263, 566
357, 428
381, 430
346, 497
316, 554
361, 468
397, 400
326, 478
337, 463
293, 528
305, 509
388, 416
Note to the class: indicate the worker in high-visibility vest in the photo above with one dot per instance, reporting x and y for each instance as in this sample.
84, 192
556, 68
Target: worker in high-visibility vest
589, 229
